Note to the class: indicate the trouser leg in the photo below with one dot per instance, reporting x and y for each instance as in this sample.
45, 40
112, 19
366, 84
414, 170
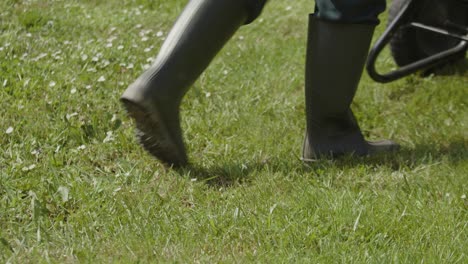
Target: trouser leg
350, 11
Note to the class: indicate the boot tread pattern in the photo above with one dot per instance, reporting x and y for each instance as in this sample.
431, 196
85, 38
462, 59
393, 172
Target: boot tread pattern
153, 135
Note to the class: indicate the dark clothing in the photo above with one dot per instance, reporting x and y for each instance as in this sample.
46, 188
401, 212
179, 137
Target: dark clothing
255, 7
350, 11
342, 11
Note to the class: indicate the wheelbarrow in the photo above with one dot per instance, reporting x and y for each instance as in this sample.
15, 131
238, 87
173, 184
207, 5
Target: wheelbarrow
422, 34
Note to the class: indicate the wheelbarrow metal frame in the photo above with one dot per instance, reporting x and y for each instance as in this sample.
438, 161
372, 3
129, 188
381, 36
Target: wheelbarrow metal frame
454, 31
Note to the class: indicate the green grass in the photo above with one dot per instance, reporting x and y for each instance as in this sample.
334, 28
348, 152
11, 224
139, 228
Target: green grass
75, 186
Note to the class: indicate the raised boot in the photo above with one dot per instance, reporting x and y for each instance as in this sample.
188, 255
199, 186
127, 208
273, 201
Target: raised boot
336, 54
153, 100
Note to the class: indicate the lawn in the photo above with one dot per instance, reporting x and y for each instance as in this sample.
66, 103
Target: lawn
76, 187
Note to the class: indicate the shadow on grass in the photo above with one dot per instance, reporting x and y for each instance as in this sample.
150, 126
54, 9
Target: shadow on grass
222, 174
406, 158
228, 174
412, 158
457, 67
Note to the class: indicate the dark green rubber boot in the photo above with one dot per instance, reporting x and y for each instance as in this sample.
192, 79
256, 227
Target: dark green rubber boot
153, 99
336, 54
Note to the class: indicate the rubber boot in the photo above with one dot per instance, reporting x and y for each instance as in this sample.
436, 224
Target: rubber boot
153, 100
336, 54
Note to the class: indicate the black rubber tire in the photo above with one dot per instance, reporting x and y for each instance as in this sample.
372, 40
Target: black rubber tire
409, 44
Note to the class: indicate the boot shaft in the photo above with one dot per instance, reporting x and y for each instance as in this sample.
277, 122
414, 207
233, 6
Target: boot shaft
336, 54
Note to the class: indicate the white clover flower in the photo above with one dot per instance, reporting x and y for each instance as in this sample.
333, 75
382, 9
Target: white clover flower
97, 56
82, 147
64, 193
159, 34
9, 130
30, 167
52, 84
102, 79
120, 47
109, 137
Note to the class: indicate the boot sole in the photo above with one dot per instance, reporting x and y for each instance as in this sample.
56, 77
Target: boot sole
373, 150
153, 135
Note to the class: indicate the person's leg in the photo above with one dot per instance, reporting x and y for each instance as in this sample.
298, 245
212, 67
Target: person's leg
350, 11
340, 33
153, 99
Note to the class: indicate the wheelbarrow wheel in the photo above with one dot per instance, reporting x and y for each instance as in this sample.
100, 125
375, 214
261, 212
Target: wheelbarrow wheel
410, 44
